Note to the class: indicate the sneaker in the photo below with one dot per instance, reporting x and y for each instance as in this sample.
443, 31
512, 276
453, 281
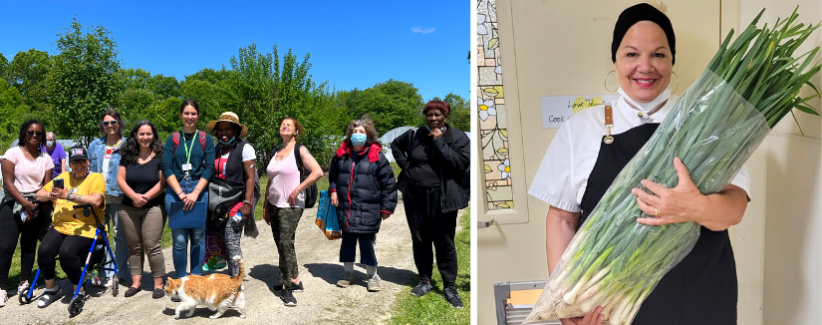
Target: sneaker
453, 297
3, 298
297, 287
347, 280
109, 283
421, 289
48, 297
374, 283
288, 298
22, 286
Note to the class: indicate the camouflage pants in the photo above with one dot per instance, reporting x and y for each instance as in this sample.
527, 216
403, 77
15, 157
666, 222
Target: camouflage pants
283, 226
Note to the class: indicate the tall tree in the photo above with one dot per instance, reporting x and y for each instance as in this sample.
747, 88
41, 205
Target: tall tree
132, 78
390, 104
263, 92
83, 80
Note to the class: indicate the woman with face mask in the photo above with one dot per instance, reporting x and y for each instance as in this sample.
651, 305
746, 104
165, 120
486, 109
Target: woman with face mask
362, 187
57, 153
25, 169
591, 149
235, 166
435, 185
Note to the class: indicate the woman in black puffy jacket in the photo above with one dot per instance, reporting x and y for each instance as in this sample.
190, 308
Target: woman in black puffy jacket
362, 188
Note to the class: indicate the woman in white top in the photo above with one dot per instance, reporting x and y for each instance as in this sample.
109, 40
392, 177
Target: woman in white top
583, 160
286, 201
25, 169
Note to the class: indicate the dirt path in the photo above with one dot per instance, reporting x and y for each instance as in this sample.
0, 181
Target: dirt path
322, 302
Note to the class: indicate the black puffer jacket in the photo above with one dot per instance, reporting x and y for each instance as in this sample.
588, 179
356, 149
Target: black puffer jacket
453, 152
364, 189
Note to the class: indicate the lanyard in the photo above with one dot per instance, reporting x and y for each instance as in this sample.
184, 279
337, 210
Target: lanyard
186, 147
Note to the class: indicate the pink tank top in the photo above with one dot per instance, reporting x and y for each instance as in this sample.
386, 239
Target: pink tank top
285, 177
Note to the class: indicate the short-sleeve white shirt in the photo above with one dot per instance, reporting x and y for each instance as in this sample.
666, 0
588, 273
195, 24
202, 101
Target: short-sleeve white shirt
563, 174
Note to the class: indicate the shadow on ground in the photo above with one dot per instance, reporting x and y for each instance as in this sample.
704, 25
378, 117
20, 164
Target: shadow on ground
331, 273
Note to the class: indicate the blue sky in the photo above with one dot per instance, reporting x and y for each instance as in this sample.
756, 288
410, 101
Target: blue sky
352, 43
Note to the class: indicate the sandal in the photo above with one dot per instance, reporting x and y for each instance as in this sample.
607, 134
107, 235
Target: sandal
49, 297
132, 291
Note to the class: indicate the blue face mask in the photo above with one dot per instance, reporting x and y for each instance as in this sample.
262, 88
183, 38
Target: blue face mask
230, 141
358, 139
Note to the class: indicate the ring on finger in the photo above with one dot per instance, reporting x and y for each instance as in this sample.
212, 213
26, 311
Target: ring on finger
656, 212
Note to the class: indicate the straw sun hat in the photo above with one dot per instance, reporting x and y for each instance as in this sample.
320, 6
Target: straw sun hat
231, 118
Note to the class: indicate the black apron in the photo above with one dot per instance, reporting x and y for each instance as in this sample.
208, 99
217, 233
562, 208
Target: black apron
701, 289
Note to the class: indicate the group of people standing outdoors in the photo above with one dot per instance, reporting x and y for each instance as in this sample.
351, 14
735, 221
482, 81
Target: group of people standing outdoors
138, 183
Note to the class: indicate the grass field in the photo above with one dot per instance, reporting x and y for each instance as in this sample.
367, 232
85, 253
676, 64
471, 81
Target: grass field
14, 272
433, 308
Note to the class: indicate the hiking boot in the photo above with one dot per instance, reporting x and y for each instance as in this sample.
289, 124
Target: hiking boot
453, 297
374, 283
421, 289
288, 298
347, 280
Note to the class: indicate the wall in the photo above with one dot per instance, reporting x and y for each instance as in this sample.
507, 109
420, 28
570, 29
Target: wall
792, 249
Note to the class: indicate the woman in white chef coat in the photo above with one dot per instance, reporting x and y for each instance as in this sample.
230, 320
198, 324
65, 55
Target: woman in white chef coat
585, 157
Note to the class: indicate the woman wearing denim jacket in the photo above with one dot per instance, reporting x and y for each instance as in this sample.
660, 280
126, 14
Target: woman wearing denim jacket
104, 154
187, 170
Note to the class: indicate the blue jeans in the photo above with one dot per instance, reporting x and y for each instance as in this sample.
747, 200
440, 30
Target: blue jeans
348, 248
117, 238
181, 236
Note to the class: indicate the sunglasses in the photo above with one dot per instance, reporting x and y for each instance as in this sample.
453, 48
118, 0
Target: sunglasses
39, 134
107, 123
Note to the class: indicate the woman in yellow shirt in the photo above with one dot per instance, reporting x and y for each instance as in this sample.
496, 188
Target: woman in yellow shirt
71, 233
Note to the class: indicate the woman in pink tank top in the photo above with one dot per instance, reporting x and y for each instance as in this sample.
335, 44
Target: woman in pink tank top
285, 202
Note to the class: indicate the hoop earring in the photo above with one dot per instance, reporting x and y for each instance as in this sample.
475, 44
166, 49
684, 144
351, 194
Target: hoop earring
677, 81
605, 83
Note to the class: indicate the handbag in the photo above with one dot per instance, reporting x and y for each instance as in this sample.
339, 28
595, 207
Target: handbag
221, 197
327, 217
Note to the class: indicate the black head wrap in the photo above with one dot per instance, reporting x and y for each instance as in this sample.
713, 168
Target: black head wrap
635, 14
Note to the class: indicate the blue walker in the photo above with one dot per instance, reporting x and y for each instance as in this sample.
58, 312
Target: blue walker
94, 260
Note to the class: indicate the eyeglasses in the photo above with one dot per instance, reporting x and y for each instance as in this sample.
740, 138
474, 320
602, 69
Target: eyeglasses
39, 134
107, 123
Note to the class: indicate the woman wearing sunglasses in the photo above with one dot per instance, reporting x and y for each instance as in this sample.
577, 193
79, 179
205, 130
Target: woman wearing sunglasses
25, 169
104, 153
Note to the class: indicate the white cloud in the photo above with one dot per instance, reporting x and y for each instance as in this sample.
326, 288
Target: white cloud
421, 30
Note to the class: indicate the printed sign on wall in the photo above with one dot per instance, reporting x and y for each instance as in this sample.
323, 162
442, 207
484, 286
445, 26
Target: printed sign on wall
558, 109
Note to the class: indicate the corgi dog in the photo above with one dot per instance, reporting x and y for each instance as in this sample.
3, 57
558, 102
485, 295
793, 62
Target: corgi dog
217, 291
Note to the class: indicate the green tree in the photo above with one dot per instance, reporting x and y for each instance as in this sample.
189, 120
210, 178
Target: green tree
390, 104
210, 75
83, 80
460, 116
207, 95
28, 72
263, 92
14, 111
132, 78
134, 103
164, 86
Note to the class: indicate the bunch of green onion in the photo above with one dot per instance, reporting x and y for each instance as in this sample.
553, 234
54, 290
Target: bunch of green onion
747, 88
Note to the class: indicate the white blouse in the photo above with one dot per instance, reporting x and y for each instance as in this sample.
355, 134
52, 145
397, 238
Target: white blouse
562, 176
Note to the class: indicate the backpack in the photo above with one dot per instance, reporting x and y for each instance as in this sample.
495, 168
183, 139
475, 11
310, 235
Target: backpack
310, 192
175, 139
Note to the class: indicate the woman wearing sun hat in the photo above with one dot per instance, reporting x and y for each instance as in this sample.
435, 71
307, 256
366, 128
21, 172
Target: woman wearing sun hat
234, 165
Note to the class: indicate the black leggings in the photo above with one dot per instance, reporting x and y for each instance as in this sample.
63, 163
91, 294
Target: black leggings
12, 229
72, 249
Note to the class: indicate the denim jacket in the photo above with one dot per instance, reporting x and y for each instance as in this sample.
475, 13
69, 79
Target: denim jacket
96, 152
